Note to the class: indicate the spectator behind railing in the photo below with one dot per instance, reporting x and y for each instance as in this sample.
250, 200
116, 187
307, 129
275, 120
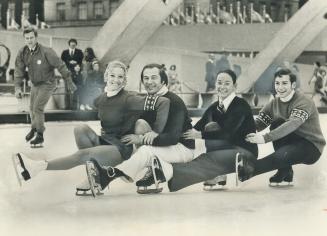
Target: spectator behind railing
89, 58
210, 74
174, 85
72, 55
226, 14
318, 81
77, 97
94, 85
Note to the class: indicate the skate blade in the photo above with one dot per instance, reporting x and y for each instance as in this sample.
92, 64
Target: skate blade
86, 193
237, 164
213, 188
36, 145
281, 186
155, 165
15, 165
90, 170
149, 191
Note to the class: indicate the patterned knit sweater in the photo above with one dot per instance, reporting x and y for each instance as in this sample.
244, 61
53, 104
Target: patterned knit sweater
301, 117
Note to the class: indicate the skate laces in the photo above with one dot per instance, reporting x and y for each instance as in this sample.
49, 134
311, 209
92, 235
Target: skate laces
148, 174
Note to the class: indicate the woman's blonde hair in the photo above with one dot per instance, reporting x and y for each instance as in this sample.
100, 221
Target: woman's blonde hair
114, 64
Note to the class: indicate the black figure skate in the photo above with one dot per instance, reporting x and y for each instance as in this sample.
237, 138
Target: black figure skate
283, 178
30, 135
153, 176
38, 141
244, 168
215, 184
100, 177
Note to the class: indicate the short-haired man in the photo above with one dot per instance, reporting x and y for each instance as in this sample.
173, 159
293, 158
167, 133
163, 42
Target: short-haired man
39, 62
168, 145
72, 56
294, 130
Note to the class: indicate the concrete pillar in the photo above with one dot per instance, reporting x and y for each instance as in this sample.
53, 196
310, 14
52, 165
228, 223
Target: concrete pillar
128, 29
288, 43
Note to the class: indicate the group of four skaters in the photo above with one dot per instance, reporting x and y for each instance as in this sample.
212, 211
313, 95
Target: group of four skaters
163, 133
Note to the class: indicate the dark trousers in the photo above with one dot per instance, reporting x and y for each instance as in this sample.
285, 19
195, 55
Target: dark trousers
219, 160
206, 166
289, 150
215, 144
76, 98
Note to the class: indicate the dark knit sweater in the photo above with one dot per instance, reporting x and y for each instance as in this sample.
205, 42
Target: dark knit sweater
177, 123
119, 113
235, 124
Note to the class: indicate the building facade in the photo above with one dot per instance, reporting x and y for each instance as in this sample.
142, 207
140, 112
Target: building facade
278, 10
61, 13
79, 12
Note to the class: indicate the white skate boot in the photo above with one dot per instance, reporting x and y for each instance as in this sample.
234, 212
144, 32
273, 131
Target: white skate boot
27, 168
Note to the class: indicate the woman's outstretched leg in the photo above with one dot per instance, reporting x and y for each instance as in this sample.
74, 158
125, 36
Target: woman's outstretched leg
107, 155
26, 168
85, 137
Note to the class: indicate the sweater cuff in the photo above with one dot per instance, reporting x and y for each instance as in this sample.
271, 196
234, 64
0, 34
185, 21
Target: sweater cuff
267, 137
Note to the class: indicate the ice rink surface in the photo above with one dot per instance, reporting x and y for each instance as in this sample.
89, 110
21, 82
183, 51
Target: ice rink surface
47, 205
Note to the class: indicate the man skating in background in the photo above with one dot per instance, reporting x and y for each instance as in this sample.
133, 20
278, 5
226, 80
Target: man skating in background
294, 130
39, 62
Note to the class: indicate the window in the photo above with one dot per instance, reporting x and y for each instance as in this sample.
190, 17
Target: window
98, 10
274, 12
114, 4
11, 8
61, 11
288, 12
82, 11
26, 11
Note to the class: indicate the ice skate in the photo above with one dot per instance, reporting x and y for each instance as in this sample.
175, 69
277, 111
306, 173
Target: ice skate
84, 189
154, 175
30, 135
283, 178
145, 182
243, 168
100, 177
26, 168
216, 183
38, 141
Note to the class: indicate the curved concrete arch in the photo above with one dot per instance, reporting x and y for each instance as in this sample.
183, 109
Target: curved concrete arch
288, 43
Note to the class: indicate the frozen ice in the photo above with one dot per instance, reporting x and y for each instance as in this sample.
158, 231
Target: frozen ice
47, 204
